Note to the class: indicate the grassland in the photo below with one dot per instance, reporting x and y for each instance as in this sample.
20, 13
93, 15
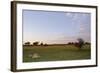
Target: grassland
55, 53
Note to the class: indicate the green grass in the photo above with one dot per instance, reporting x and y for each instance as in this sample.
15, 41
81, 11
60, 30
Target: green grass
56, 53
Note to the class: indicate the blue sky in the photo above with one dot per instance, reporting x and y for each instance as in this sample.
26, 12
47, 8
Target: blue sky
55, 27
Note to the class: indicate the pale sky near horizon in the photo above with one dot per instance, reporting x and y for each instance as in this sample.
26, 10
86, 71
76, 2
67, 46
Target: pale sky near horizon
56, 27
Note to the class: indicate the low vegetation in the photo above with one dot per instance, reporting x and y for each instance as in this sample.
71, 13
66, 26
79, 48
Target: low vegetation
55, 53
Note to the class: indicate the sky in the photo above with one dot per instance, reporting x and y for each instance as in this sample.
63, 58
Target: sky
53, 27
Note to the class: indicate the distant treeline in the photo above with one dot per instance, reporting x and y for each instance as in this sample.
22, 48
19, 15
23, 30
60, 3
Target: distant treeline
36, 43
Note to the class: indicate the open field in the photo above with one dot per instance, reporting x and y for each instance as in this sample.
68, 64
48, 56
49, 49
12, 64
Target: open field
55, 53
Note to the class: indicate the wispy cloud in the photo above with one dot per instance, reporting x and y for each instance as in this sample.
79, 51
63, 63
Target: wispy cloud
55, 27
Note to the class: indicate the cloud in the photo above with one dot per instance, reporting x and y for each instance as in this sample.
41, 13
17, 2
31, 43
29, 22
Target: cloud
81, 28
70, 15
73, 17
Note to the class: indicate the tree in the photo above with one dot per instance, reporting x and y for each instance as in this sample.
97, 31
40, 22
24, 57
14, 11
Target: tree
87, 43
27, 43
35, 43
41, 43
69, 43
80, 43
45, 44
